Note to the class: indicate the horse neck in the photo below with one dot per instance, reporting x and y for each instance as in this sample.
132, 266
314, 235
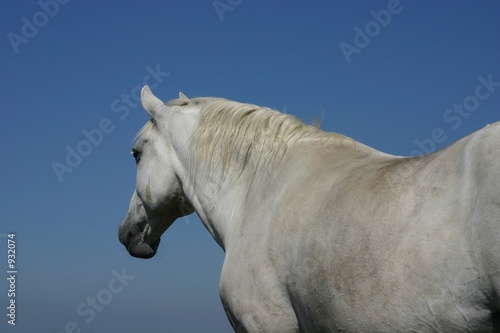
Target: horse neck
221, 179
216, 203
223, 205
219, 200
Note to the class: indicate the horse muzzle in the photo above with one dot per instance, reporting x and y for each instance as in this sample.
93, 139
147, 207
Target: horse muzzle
134, 237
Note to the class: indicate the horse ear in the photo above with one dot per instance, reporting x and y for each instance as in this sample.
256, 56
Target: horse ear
152, 104
183, 97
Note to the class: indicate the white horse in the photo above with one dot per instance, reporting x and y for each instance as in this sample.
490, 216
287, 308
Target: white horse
322, 233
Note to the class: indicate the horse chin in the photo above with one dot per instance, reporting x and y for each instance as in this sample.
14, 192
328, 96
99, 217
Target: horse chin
136, 245
143, 250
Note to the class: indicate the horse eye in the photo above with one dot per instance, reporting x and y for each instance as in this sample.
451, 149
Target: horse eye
137, 155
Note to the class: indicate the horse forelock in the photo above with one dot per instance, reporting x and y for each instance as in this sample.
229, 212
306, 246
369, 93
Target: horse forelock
146, 129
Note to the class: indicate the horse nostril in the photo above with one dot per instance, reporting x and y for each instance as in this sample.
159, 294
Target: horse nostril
141, 226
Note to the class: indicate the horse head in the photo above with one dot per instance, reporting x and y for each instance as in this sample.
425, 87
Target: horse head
158, 199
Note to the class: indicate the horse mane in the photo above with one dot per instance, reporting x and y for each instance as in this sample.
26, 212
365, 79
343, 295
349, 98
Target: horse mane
230, 133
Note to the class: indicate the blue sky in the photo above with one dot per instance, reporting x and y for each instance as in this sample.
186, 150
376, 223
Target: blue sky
419, 76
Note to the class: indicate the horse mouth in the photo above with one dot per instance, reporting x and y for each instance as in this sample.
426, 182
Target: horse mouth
135, 243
